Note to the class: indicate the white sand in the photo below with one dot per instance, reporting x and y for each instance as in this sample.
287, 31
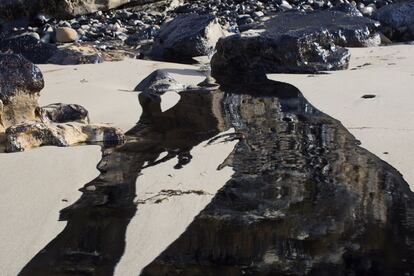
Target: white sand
32, 187
157, 225
103, 88
382, 124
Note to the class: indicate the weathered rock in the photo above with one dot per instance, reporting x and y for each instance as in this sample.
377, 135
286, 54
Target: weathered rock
33, 134
159, 82
397, 20
66, 35
10, 10
185, 37
74, 54
293, 42
29, 47
20, 84
63, 113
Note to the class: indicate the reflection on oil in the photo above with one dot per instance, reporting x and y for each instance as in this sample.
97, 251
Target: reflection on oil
305, 199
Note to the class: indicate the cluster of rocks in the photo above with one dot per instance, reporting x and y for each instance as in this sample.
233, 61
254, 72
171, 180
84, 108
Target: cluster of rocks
24, 125
175, 31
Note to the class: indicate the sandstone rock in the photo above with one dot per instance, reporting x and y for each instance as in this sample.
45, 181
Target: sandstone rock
33, 134
63, 113
293, 42
20, 84
66, 35
159, 82
397, 20
186, 36
74, 54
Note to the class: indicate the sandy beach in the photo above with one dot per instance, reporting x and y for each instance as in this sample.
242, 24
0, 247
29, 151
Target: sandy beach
383, 124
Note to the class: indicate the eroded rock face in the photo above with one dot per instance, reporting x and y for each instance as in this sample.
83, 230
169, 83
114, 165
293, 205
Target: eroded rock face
31, 135
294, 43
159, 82
20, 84
24, 125
186, 36
397, 20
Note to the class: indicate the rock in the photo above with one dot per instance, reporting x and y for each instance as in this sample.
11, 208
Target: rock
397, 20
29, 47
159, 82
209, 83
33, 134
20, 84
293, 42
75, 54
66, 35
347, 8
186, 36
63, 113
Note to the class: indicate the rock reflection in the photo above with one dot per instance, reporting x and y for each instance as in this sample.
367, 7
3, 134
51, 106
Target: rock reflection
305, 199
93, 240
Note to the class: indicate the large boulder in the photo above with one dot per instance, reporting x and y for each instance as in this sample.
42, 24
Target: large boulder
29, 47
293, 43
20, 84
397, 20
186, 36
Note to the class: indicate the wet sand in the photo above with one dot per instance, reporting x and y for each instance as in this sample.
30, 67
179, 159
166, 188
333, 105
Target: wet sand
383, 124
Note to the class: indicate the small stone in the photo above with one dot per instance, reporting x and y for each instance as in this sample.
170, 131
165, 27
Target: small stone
66, 35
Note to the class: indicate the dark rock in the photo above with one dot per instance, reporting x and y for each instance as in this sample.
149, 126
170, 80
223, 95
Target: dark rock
159, 82
347, 8
29, 47
63, 113
397, 20
293, 42
186, 36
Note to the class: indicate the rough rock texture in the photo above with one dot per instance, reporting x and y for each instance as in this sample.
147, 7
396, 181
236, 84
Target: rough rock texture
63, 113
20, 84
294, 42
30, 135
159, 82
186, 36
397, 20
25, 125
10, 9
29, 47
66, 35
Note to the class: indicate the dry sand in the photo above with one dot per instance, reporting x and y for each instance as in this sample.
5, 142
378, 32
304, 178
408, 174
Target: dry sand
382, 124
35, 182
33, 185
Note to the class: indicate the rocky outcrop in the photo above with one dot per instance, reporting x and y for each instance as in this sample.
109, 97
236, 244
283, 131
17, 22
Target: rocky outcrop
185, 37
20, 85
294, 43
24, 125
10, 10
35, 134
397, 20
159, 82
